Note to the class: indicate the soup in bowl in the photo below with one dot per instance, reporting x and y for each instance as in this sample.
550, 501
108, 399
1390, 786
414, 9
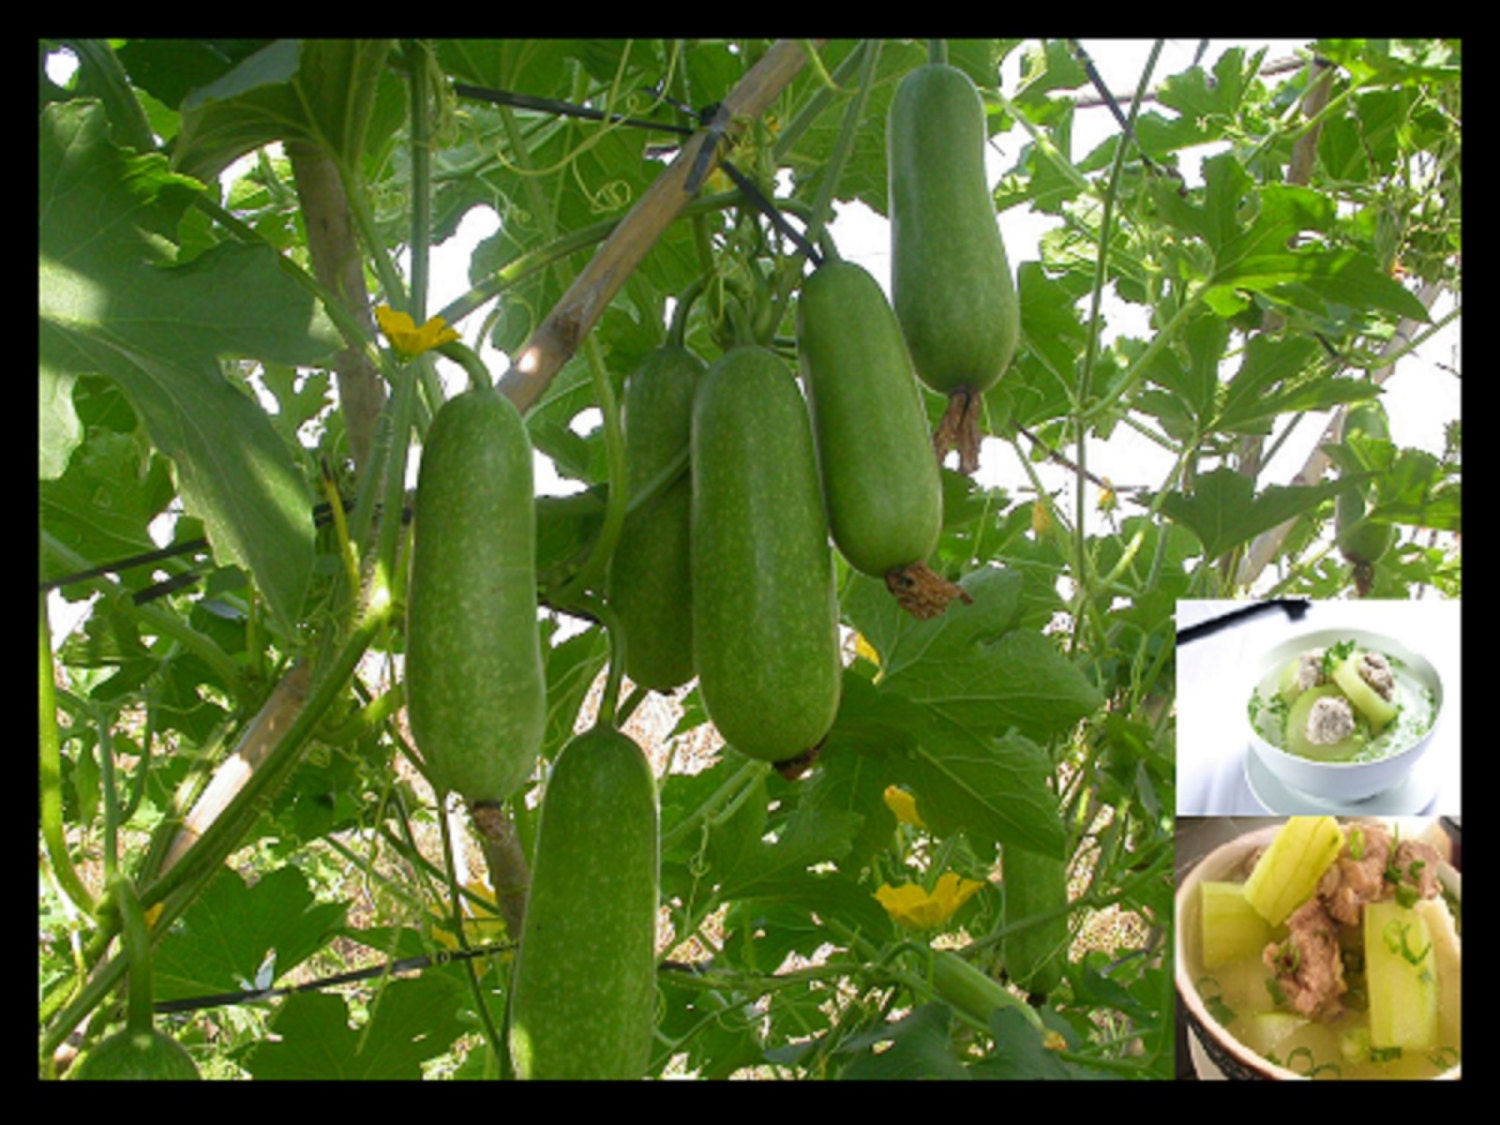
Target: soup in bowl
1323, 949
1343, 715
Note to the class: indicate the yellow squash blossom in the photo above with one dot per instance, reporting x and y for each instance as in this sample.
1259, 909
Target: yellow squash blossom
916, 907
904, 805
406, 338
480, 927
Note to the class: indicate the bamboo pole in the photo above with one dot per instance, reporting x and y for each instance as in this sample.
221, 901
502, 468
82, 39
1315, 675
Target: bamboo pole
579, 309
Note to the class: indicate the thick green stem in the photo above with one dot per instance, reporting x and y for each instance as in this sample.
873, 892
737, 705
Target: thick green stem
418, 83
140, 1012
50, 771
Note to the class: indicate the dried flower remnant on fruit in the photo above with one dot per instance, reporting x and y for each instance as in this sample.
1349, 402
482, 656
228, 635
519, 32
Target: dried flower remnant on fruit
959, 430
922, 591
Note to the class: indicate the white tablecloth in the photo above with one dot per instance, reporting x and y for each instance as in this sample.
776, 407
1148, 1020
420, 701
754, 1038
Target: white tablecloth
1216, 775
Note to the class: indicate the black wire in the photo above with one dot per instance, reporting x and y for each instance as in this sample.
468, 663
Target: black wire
390, 968
771, 211
566, 109
405, 965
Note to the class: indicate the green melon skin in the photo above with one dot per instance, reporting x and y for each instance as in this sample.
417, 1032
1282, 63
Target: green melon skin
583, 994
149, 1056
881, 481
475, 686
1035, 884
650, 576
765, 613
951, 282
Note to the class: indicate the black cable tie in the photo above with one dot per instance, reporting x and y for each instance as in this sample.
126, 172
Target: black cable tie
771, 211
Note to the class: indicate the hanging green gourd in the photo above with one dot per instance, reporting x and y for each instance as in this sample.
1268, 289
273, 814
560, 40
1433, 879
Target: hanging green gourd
650, 580
881, 484
1362, 541
951, 283
583, 996
765, 614
475, 685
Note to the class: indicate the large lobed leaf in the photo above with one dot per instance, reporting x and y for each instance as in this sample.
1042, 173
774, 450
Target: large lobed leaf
113, 302
964, 706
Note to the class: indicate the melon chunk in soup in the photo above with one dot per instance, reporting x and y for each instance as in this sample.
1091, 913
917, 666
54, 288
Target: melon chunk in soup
1287, 873
1401, 976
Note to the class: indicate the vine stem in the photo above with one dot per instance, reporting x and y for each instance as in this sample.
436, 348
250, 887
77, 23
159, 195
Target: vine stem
53, 836
1085, 381
178, 888
1267, 545
564, 328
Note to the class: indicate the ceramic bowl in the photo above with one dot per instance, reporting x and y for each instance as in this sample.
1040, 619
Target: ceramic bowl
1341, 781
1218, 1053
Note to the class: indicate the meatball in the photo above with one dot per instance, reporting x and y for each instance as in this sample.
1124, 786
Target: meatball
1330, 720
1375, 670
1309, 670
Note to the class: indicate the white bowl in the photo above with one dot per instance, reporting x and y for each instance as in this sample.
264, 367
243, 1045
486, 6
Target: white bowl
1224, 1055
1342, 781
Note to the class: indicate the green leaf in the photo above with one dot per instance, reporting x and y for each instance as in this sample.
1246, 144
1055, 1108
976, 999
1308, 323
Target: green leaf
1280, 375
993, 790
1191, 373
1274, 251
918, 1046
903, 641
1020, 1055
102, 506
1414, 488
1203, 105
1224, 510
758, 869
169, 69
963, 700
986, 684
111, 302
413, 1020
317, 90
235, 932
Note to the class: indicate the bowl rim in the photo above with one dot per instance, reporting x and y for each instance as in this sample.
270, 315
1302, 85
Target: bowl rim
1225, 857
1277, 654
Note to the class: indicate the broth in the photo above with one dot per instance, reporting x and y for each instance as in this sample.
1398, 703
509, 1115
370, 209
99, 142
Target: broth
1417, 711
1237, 995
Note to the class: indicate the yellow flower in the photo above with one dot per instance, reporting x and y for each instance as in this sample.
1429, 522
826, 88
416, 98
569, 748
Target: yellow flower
406, 338
480, 927
904, 805
1041, 518
1107, 499
914, 906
